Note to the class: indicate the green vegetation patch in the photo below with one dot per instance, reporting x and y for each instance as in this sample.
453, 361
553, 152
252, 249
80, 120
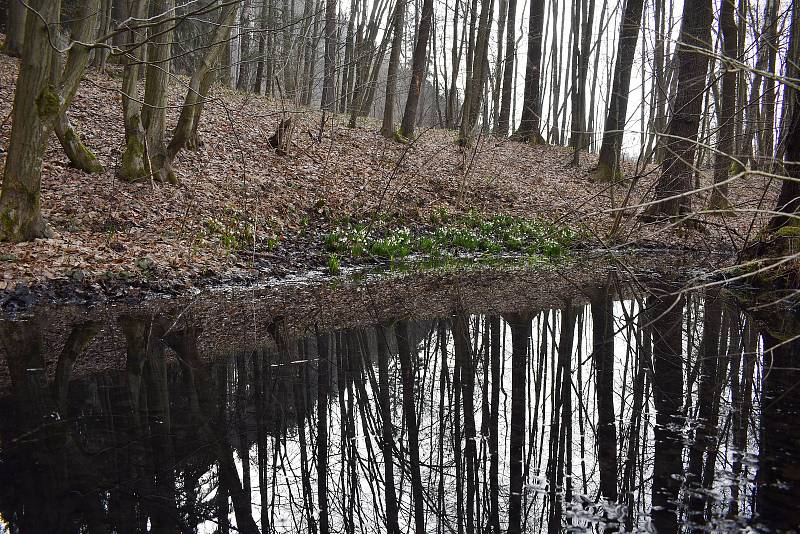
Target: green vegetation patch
470, 234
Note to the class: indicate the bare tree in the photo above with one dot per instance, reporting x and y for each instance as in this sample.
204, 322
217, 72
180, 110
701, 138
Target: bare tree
418, 71
693, 50
608, 161
531, 101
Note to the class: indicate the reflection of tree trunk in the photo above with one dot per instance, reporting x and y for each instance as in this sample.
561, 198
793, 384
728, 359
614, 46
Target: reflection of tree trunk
243, 443
300, 388
79, 338
741, 400
163, 504
444, 376
387, 434
778, 480
520, 335
644, 364
54, 480
666, 315
564, 401
409, 410
323, 378
223, 523
705, 434
494, 428
464, 358
214, 429
603, 343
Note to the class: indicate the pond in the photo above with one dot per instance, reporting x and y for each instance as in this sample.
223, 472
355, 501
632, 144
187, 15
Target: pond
510, 401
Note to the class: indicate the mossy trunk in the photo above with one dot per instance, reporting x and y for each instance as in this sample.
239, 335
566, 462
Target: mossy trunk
36, 106
132, 167
155, 95
70, 76
79, 155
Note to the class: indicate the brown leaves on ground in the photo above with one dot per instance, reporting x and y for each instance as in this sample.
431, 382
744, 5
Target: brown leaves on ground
235, 188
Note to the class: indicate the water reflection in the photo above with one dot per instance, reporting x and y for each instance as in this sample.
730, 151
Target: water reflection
644, 412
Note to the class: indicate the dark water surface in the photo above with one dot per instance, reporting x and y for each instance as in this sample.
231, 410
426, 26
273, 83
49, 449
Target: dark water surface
407, 407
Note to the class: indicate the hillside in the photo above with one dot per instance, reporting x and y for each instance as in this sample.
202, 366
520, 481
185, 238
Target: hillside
108, 230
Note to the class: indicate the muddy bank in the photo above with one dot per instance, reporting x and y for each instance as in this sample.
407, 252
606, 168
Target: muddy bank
302, 264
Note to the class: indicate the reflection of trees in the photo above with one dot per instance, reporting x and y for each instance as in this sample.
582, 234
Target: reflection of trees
779, 467
666, 316
520, 422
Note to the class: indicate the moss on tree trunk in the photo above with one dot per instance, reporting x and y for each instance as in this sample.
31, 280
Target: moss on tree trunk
79, 154
20, 201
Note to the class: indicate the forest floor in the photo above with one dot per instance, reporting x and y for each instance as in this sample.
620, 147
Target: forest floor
242, 212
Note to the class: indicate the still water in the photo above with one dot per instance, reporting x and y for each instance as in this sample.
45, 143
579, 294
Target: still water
618, 408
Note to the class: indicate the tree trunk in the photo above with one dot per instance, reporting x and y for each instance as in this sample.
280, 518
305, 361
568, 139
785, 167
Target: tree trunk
531, 100
480, 71
498, 65
154, 114
36, 107
693, 51
185, 132
614, 130
387, 128
15, 28
788, 203
418, 73
409, 410
504, 121
85, 31
243, 81
132, 167
520, 335
766, 145
329, 81
726, 133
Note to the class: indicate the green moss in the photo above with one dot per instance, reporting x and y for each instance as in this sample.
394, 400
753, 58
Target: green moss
788, 231
48, 103
132, 167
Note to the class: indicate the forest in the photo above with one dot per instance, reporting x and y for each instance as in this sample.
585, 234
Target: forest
451, 266
196, 139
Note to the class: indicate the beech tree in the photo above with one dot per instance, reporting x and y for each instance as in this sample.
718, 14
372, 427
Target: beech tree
147, 153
